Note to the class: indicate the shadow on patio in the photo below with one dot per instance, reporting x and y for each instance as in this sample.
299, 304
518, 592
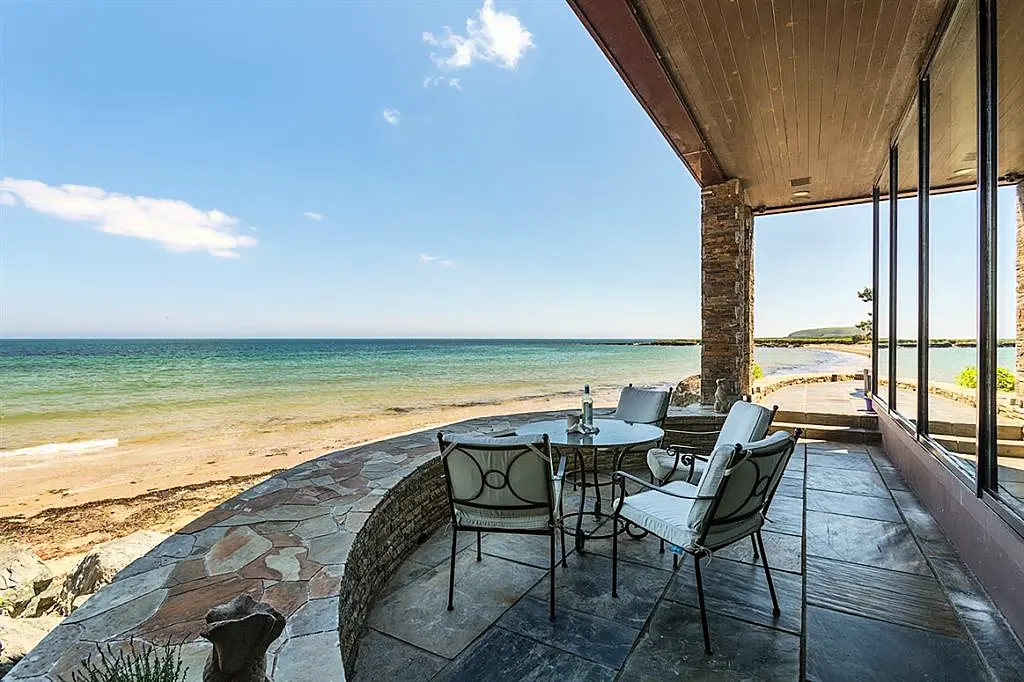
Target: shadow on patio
869, 589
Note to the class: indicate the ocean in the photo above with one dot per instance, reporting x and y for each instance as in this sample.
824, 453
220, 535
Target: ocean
62, 395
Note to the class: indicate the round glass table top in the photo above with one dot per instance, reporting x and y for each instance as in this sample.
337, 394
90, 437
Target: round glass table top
613, 433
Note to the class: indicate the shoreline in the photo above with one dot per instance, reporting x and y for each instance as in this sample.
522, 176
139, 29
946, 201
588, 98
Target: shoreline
59, 506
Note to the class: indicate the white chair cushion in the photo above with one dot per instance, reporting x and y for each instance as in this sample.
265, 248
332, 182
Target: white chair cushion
642, 405
661, 461
710, 482
663, 515
745, 423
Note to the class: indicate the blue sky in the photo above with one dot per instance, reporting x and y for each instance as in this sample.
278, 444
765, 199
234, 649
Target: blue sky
327, 169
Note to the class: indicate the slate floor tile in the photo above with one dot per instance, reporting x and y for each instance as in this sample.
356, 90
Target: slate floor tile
903, 598
864, 541
597, 639
438, 546
790, 488
504, 656
785, 552
673, 649
527, 549
786, 515
846, 481
844, 647
740, 590
586, 585
893, 478
857, 462
865, 506
383, 659
988, 628
417, 612
644, 551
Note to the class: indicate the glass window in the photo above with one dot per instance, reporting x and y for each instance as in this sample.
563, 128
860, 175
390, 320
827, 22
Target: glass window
882, 295
907, 254
1010, 255
953, 241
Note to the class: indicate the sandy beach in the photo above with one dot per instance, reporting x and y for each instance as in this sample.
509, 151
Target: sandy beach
61, 505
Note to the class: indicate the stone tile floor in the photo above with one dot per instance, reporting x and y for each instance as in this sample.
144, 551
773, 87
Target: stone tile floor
868, 589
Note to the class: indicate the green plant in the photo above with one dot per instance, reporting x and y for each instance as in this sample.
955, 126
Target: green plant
758, 372
132, 665
1005, 379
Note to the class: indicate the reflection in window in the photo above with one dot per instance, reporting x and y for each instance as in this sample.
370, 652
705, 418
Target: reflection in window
953, 241
907, 244
1010, 255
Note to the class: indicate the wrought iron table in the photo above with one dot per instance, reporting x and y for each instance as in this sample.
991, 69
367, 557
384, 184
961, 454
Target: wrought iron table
615, 436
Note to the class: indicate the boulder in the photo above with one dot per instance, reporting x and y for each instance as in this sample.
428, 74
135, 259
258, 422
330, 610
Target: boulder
18, 566
98, 567
45, 602
18, 636
687, 392
22, 577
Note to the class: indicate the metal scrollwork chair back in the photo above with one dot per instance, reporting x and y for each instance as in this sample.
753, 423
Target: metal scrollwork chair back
729, 505
502, 485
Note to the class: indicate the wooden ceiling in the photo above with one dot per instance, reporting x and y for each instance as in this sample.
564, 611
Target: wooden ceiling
786, 95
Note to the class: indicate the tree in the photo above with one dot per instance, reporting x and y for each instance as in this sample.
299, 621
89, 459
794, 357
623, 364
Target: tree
867, 295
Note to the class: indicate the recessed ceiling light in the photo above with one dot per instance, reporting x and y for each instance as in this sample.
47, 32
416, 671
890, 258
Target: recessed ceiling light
801, 194
960, 172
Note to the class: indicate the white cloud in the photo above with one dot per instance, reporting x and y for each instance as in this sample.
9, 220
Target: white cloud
436, 260
175, 224
434, 81
494, 37
392, 116
313, 215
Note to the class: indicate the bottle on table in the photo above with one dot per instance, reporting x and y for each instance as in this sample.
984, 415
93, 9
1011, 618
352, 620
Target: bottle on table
588, 407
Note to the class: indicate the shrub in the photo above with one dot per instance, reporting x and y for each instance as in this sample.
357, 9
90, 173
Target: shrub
133, 665
1005, 379
758, 372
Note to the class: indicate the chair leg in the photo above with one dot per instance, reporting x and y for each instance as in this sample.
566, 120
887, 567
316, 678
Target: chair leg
561, 527
615, 558
551, 615
768, 576
703, 612
675, 561
451, 571
661, 548
478, 557
753, 541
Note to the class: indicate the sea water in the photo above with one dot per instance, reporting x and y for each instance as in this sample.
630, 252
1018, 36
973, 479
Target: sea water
64, 396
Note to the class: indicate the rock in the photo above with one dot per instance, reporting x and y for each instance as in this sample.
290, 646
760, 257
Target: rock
78, 602
45, 602
19, 566
18, 636
687, 392
98, 567
22, 577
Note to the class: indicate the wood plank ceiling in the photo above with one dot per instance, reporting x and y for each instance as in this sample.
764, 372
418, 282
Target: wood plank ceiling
789, 96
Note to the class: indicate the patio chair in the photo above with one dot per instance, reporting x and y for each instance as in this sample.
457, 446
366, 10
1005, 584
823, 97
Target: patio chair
502, 485
729, 505
746, 422
643, 405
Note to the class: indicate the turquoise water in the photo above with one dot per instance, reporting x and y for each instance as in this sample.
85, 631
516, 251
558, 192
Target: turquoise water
56, 391
944, 363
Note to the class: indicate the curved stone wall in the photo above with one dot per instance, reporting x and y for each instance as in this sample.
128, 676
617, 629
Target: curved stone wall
317, 542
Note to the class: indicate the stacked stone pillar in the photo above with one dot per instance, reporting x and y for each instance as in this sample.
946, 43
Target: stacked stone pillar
727, 289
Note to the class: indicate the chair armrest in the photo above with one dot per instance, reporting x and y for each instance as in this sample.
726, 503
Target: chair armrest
621, 477
681, 451
691, 433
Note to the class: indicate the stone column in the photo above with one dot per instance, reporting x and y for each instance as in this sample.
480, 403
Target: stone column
727, 289
1020, 290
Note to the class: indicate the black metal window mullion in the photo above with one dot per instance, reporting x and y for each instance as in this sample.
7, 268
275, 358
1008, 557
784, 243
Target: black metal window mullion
923, 254
987, 183
875, 269
893, 345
